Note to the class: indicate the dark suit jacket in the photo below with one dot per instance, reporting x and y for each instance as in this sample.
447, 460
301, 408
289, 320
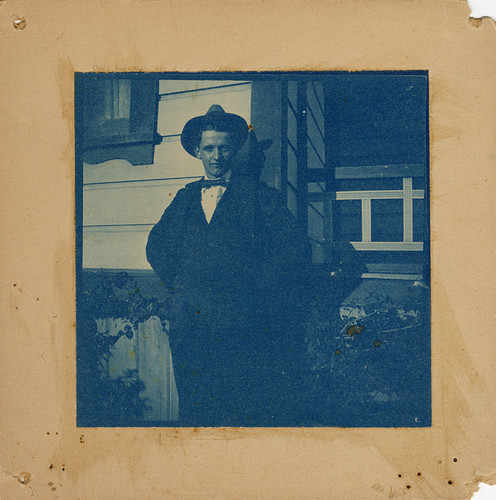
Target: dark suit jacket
236, 282
251, 242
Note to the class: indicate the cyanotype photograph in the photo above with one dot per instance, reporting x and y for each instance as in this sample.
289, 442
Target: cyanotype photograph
252, 249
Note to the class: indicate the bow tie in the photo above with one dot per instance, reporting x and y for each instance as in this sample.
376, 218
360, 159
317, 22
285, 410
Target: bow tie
207, 183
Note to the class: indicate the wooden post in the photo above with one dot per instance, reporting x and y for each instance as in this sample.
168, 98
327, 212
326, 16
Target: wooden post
302, 155
284, 141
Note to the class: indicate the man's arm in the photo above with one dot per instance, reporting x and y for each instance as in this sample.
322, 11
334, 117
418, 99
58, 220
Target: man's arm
163, 249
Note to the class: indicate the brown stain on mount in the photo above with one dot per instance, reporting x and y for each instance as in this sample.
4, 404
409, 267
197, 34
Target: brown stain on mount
65, 84
475, 22
24, 477
19, 23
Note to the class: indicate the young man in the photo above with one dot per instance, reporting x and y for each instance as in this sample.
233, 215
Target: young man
232, 256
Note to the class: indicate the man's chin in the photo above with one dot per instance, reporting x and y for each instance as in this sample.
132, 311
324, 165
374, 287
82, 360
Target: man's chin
217, 172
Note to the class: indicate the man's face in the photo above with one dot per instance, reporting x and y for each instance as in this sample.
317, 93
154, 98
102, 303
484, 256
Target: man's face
216, 152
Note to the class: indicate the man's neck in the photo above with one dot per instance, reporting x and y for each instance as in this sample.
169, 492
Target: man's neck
226, 176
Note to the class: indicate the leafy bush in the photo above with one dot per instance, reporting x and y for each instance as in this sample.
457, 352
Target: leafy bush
102, 400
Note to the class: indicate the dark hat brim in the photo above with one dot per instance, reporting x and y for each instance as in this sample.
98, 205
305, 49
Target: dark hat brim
235, 124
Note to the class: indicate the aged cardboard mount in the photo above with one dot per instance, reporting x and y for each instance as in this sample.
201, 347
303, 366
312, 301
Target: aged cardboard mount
43, 453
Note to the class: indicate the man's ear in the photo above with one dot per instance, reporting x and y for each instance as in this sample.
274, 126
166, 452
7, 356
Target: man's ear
197, 152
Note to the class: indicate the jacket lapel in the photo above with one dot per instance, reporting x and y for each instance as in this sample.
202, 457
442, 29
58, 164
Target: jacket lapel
229, 203
195, 205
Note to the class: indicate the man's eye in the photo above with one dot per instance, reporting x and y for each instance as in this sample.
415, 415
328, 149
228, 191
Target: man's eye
208, 148
226, 149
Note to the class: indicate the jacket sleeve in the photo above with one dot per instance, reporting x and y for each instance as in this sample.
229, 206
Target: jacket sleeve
163, 249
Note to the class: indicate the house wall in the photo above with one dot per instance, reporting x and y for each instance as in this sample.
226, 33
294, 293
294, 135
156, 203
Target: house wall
122, 202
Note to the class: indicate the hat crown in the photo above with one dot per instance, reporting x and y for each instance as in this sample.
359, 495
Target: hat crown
215, 115
216, 109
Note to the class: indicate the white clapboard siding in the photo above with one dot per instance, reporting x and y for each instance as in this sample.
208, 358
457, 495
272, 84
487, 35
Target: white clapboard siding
173, 86
128, 202
170, 161
118, 247
115, 170
176, 109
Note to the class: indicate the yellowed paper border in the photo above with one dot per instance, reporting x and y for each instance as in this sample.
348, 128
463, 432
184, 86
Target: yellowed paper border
42, 453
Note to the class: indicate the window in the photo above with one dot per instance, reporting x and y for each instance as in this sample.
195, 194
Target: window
354, 158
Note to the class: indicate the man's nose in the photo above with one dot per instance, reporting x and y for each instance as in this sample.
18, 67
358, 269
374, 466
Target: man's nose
217, 154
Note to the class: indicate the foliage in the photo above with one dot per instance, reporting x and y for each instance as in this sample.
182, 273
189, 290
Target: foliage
102, 400
331, 328
371, 360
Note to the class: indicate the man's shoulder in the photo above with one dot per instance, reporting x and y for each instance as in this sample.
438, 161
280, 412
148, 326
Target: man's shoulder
182, 199
187, 190
192, 185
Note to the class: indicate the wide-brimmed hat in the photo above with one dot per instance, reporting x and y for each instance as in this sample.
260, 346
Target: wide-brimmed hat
216, 115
